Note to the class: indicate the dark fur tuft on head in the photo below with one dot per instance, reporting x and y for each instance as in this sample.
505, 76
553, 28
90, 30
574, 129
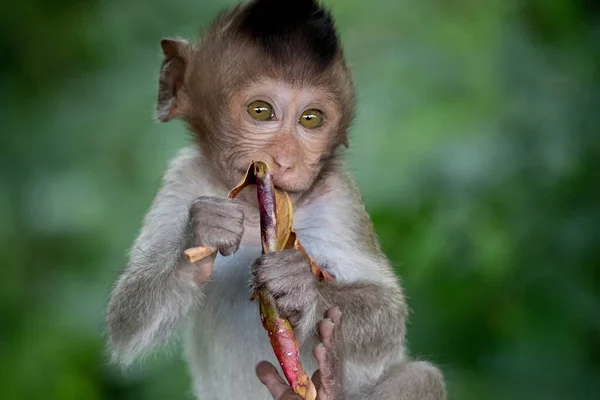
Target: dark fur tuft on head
287, 27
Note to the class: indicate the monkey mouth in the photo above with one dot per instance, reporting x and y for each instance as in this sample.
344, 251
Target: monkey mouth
281, 181
287, 185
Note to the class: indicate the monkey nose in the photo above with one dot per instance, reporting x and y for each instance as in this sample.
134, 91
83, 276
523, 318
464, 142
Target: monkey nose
284, 164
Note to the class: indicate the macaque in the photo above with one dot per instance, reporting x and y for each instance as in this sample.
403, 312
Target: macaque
267, 81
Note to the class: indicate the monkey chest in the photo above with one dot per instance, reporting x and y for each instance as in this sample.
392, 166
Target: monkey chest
226, 339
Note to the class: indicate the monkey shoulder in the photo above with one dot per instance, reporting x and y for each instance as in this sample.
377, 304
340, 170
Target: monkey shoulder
336, 202
334, 227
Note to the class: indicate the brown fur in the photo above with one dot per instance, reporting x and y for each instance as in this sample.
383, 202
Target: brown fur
209, 73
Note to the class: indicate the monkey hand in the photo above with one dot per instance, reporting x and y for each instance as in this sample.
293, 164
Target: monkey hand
216, 222
287, 276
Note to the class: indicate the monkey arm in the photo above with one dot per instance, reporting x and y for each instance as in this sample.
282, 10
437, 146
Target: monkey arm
374, 311
338, 233
156, 290
369, 296
374, 319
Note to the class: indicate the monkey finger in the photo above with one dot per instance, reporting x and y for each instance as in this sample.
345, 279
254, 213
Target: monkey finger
226, 229
323, 362
316, 379
326, 332
335, 315
322, 392
269, 377
335, 345
320, 354
326, 376
329, 355
228, 250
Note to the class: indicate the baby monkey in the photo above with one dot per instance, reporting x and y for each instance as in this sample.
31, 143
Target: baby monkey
267, 81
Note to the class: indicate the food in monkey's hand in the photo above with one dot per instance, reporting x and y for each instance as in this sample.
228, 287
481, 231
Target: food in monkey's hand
276, 219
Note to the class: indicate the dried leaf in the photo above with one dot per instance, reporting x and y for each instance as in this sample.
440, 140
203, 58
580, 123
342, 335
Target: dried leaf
284, 212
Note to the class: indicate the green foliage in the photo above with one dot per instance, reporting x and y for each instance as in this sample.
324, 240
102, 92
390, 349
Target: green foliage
476, 146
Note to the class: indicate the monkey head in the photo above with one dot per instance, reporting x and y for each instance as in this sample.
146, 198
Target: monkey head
267, 81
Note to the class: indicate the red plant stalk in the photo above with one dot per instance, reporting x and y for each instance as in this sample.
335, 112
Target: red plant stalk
279, 329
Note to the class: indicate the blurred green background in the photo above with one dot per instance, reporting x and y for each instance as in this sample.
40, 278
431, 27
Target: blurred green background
477, 146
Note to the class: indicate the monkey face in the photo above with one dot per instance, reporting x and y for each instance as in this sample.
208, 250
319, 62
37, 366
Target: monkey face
268, 81
292, 129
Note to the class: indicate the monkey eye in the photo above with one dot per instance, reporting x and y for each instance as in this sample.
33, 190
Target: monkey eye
260, 110
312, 119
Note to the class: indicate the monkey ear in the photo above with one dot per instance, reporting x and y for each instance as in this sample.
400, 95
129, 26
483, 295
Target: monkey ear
170, 83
